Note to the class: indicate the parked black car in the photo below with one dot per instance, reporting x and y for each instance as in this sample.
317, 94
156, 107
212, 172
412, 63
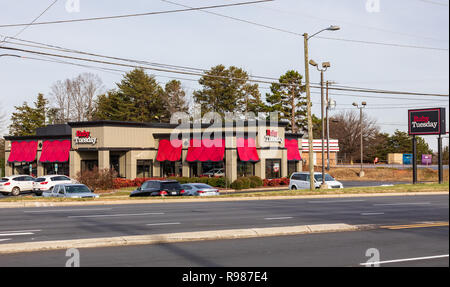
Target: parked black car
159, 188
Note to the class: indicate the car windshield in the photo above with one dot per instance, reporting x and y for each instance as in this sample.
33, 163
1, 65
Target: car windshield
170, 185
4, 180
77, 189
328, 177
147, 184
40, 179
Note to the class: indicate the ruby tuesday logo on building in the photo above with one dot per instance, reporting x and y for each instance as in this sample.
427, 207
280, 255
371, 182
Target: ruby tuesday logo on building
423, 122
272, 136
84, 137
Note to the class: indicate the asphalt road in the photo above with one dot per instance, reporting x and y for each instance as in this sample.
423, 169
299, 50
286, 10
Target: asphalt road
61, 223
408, 247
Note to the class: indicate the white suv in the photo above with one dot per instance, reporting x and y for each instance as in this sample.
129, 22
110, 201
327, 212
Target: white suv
47, 182
16, 184
300, 180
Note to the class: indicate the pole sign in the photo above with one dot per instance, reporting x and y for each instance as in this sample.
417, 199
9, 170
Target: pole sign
427, 122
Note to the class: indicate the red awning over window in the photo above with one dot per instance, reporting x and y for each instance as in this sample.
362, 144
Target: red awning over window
169, 150
247, 149
206, 150
55, 151
24, 151
293, 152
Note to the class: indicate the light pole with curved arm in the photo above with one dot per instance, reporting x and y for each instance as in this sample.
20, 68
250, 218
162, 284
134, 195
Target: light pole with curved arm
306, 38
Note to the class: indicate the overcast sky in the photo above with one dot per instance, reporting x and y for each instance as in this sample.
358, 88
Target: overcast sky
202, 40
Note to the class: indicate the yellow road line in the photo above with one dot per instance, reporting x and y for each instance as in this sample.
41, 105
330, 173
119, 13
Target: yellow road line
419, 225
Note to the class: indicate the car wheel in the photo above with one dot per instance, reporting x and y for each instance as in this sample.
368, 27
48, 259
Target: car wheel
15, 191
293, 187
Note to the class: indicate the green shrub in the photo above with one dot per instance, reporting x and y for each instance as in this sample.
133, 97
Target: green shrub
255, 181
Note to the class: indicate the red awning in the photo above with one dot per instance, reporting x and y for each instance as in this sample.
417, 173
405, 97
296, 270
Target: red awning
55, 151
247, 149
169, 150
206, 150
24, 151
293, 152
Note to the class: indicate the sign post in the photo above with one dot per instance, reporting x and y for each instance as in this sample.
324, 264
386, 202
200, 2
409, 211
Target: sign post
427, 122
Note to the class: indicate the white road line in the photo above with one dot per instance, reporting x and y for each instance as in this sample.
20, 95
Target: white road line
67, 210
277, 218
17, 234
166, 223
402, 203
372, 213
115, 215
19, 231
5, 239
336, 201
405, 260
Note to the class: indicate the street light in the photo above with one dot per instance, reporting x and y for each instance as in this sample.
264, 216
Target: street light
363, 105
325, 66
306, 37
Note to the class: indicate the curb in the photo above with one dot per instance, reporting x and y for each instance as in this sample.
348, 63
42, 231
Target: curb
177, 237
31, 204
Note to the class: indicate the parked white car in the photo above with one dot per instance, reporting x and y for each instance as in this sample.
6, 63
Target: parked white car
16, 184
300, 180
47, 182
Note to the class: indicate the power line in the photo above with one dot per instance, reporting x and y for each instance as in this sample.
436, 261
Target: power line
34, 20
434, 3
202, 74
134, 15
202, 71
320, 37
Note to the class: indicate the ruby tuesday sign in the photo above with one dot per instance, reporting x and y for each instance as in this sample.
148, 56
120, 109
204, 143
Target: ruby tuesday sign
84, 137
427, 121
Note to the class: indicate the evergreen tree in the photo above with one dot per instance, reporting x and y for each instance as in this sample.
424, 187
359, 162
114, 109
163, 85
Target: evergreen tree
138, 98
175, 97
227, 90
286, 99
27, 119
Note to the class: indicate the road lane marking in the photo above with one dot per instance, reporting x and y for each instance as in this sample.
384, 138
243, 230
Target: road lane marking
405, 260
163, 223
372, 213
277, 218
404, 203
115, 215
336, 201
418, 225
1, 240
19, 231
67, 210
17, 234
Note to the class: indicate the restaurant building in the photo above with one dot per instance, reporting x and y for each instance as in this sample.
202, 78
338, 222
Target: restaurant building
137, 150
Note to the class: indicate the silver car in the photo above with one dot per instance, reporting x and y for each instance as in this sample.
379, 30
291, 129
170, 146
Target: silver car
199, 189
70, 191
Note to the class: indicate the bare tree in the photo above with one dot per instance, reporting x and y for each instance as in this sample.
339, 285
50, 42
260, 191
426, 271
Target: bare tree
75, 98
2, 122
346, 127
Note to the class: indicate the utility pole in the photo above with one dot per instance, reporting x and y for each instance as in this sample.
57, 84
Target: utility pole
328, 129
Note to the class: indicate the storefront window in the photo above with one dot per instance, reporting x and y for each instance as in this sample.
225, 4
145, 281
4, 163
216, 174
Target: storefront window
144, 169
245, 168
171, 169
24, 168
193, 169
213, 169
273, 168
56, 168
292, 167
